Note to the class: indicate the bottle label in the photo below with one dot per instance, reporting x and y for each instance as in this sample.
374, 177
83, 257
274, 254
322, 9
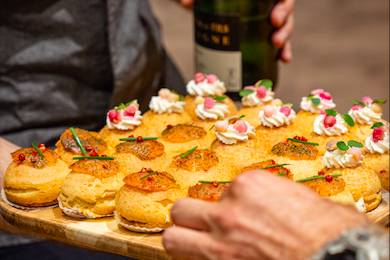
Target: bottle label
217, 47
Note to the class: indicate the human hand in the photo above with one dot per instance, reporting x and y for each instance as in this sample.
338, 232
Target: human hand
282, 18
261, 216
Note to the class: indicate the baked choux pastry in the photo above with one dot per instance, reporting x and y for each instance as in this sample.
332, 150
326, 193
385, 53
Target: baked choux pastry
270, 166
34, 177
78, 142
208, 190
143, 204
89, 190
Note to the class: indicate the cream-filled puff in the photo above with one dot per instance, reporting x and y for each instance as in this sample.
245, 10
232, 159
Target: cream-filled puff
89, 190
143, 204
34, 177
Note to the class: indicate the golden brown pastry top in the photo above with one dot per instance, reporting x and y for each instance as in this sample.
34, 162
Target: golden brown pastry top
208, 191
182, 133
150, 181
295, 150
97, 168
89, 140
327, 187
198, 160
144, 150
270, 166
29, 156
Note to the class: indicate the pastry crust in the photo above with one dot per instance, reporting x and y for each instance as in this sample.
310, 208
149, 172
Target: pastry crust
91, 187
32, 186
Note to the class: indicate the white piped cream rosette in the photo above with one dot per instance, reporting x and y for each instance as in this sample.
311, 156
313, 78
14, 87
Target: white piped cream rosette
346, 158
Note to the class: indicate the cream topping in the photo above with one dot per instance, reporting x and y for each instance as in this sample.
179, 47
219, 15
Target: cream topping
275, 119
239, 131
326, 101
218, 111
259, 96
124, 117
206, 88
360, 205
381, 146
341, 159
337, 129
166, 102
364, 115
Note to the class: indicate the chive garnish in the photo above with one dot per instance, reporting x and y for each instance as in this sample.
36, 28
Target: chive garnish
101, 158
78, 142
275, 166
211, 182
302, 142
150, 174
242, 116
36, 148
315, 177
146, 138
184, 155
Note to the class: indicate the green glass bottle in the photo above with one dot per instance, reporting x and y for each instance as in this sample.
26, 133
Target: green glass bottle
233, 41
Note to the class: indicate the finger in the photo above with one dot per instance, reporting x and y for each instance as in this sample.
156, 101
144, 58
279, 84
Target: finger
187, 3
281, 12
185, 243
191, 213
286, 55
280, 37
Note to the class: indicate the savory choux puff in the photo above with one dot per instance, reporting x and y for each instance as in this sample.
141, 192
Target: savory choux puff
89, 190
270, 166
143, 204
34, 177
72, 139
122, 121
208, 190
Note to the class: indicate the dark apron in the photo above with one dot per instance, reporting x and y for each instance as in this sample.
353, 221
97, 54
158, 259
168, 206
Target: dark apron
65, 62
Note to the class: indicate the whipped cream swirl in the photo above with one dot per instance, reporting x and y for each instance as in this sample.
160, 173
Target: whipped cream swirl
273, 116
380, 146
364, 115
338, 128
259, 96
206, 85
325, 101
360, 205
124, 117
166, 102
341, 159
219, 111
231, 133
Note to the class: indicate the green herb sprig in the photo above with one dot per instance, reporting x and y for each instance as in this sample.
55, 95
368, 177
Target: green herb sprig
302, 142
132, 139
351, 143
78, 142
211, 182
348, 119
36, 148
275, 166
184, 155
100, 158
124, 105
245, 92
331, 112
377, 124
150, 174
267, 83
315, 177
219, 98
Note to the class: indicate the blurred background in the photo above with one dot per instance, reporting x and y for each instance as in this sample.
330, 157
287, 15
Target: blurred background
339, 45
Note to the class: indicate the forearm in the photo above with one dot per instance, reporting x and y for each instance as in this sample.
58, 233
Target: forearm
6, 148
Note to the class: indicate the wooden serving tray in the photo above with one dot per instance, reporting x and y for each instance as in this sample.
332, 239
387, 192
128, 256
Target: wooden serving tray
105, 235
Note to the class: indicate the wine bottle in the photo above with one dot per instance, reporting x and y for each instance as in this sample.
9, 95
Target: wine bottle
233, 41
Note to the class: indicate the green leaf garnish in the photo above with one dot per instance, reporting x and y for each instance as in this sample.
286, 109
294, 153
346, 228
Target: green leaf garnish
315, 177
101, 158
132, 139
342, 146
181, 97
242, 116
315, 101
275, 166
219, 98
211, 182
184, 155
302, 142
348, 119
124, 105
353, 143
267, 83
358, 102
331, 112
377, 124
36, 148
78, 142
245, 92
380, 101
